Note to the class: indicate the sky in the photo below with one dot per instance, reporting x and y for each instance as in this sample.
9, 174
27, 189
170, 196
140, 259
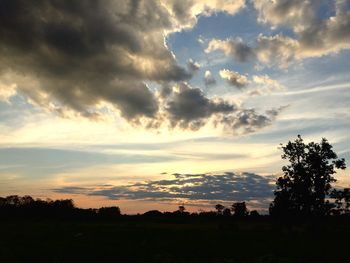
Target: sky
151, 104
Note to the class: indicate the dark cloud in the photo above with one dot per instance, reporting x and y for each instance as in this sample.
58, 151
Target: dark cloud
71, 55
81, 53
209, 187
189, 107
235, 48
241, 51
248, 120
76, 57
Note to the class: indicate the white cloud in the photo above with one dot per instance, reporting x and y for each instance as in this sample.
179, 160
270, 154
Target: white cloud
185, 13
193, 65
209, 80
234, 78
265, 85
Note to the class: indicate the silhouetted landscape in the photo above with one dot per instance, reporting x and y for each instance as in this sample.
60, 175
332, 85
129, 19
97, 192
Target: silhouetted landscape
308, 221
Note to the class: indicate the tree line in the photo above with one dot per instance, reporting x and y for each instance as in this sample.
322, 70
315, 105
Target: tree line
15, 206
304, 190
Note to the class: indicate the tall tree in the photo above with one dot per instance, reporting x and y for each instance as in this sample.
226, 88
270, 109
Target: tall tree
306, 183
219, 208
240, 209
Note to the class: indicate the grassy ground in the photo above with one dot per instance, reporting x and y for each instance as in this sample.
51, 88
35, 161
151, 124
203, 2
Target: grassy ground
151, 241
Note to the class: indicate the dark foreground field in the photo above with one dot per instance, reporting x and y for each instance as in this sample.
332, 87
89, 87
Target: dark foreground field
173, 241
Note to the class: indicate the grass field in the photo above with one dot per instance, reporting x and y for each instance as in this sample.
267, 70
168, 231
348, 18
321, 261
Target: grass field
162, 241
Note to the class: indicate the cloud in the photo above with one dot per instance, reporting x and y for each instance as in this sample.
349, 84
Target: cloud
189, 108
6, 92
265, 85
209, 80
228, 186
314, 36
186, 13
272, 50
77, 58
248, 120
193, 65
286, 12
234, 78
276, 50
327, 36
70, 57
80, 54
237, 49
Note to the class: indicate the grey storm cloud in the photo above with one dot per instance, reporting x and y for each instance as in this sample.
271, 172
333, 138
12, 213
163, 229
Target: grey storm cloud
75, 57
72, 56
76, 54
228, 186
189, 107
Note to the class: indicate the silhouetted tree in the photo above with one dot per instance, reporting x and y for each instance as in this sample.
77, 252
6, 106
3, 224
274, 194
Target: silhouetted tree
306, 182
153, 213
182, 209
26, 206
26, 200
208, 214
63, 205
219, 208
13, 200
109, 212
254, 213
239, 209
342, 201
226, 212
